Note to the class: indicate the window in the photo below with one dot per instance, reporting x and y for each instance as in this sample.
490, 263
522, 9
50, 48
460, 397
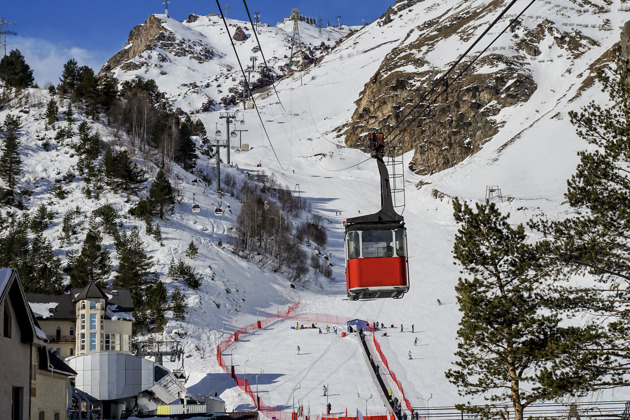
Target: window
42, 415
353, 245
17, 401
401, 242
7, 320
82, 321
92, 341
92, 304
92, 321
377, 243
106, 345
82, 342
71, 351
116, 342
58, 351
102, 317
82, 304
71, 331
56, 416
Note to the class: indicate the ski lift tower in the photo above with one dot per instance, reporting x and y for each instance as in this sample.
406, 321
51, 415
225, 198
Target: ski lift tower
166, 2
296, 42
4, 32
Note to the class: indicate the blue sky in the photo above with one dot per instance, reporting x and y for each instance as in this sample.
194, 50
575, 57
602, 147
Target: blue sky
50, 33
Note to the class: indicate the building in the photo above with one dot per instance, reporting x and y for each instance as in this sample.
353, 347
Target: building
34, 383
88, 320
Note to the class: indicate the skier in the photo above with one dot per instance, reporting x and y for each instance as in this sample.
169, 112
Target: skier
401, 327
415, 342
377, 367
298, 351
410, 355
328, 408
412, 327
325, 390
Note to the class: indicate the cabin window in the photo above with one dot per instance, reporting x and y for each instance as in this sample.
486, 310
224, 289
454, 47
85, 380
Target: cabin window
401, 242
377, 243
7, 321
354, 245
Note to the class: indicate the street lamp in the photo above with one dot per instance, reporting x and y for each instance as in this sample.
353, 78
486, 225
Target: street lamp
366, 400
293, 396
261, 371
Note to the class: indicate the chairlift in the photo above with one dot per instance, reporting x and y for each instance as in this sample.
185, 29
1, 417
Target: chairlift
196, 208
233, 133
218, 211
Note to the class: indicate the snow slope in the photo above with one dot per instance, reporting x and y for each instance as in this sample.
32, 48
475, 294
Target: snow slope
529, 159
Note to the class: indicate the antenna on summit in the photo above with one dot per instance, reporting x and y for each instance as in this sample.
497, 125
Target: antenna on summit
4, 32
166, 2
339, 21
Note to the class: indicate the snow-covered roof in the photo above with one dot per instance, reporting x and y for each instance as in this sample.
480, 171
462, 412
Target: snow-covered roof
43, 310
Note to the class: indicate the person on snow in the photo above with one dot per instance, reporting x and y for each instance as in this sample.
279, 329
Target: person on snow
325, 390
401, 327
298, 351
328, 408
410, 355
415, 342
413, 326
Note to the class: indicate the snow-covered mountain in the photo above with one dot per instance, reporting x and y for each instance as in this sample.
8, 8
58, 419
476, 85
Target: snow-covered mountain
301, 138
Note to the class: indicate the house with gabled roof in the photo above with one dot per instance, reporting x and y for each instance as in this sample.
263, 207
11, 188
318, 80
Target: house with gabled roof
33, 382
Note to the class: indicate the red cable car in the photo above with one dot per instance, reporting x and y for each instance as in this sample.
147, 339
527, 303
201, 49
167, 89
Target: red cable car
376, 244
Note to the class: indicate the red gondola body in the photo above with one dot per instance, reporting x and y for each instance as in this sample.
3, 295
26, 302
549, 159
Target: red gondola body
376, 244
370, 272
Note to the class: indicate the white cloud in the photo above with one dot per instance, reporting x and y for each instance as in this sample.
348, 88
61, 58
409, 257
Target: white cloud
46, 59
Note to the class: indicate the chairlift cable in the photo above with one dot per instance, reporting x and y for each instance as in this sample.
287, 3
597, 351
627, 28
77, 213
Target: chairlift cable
273, 84
440, 81
248, 88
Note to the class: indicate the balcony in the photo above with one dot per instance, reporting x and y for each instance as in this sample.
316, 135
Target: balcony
61, 338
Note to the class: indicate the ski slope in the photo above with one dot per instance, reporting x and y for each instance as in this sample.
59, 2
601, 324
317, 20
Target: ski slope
530, 158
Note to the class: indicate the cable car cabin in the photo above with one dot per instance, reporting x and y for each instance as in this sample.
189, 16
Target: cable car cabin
218, 211
196, 208
376, 260
376, 244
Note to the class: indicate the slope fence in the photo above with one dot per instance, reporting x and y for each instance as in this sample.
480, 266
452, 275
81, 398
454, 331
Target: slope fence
290, 314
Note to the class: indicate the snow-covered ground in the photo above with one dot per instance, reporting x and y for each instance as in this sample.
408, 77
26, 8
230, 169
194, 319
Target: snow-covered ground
530, 159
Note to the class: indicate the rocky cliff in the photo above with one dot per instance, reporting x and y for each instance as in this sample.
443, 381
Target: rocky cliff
456, 120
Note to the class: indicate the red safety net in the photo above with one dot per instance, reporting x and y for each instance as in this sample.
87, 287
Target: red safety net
289, 314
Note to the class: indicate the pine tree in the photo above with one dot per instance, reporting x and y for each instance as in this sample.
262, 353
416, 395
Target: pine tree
192, 250
135, 266
514, 344
42, 273
15, 72
178, 305
93, 263
51, 111
594, 239
69, 77
10, 160
161, 194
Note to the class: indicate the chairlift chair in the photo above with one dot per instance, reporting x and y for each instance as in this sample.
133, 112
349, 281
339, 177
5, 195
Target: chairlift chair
196, 208
218, 211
